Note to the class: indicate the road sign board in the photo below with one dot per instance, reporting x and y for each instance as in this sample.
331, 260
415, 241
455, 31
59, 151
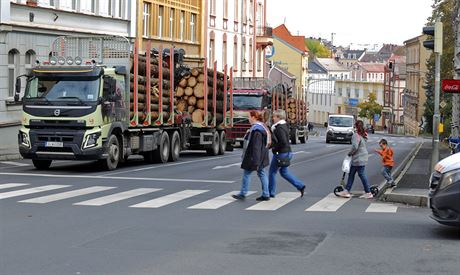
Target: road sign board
443, 104
376, 117
269, 51
451, 85
353, 102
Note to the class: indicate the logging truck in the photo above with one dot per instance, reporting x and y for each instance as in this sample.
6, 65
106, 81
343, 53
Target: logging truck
98, 98
263, 100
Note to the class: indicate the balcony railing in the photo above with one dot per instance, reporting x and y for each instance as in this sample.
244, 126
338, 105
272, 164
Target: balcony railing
264, 31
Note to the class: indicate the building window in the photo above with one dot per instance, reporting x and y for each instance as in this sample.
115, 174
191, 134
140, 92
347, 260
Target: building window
30, 60
118, 8
211, 57
68, 4
259, 59
245, 11
225, 9
181, 25
46, 3
243, 56
193, 27
146, 21
212, 7
104, 7
251, 11
88, 6
13, 68
235, 55
224, 53
160, 22
171, 23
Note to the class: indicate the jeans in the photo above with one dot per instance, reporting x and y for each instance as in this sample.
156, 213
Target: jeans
386, 172
284, 173
247, 178
362, 175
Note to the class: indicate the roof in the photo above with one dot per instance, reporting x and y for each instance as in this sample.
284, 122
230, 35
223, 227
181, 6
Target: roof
372, 67
371, 57
353, 54
296, 41
315, 68
330, 64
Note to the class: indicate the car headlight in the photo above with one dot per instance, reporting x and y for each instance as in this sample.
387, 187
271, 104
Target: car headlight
434, 180
24, 139
330, 130
91, 140
449, 178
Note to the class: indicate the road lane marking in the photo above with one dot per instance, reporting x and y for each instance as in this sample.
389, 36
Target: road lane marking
218, 202
332, 145
275, 203
67, 195
330, 203
11, 185
28, 191
14, 163
118, 197
114, 178
381, 208
227, 166
168, 199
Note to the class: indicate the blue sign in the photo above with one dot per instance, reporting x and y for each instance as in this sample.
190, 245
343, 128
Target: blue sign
353, 102
376, 117
269, 51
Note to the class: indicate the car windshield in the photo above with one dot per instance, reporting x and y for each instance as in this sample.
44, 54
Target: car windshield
247, 102
341, 121
61, 89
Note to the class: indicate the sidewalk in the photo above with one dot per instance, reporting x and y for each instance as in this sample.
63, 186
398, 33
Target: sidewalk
412, 181
9, 143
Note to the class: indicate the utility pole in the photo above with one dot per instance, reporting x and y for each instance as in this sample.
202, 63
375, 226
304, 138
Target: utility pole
332, 44
456, 97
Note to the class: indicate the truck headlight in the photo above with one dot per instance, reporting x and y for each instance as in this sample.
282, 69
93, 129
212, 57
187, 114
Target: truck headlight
449, 178
91, 140
24, 139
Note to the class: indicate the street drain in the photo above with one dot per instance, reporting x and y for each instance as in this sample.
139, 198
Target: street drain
278, 244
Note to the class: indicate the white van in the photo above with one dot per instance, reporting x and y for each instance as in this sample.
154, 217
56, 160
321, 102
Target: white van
339, 128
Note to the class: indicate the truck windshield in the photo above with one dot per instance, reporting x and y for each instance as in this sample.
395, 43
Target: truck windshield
247, 102
341, 121
61, 89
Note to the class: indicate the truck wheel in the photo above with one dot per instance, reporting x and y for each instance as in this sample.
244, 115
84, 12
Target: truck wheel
214, 150
175, 147
295, 137
161, 154
229, 147
41, 164
222, 143
113, 151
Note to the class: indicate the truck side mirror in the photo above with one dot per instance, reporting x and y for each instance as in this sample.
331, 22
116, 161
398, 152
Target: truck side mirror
325, 124
17, 90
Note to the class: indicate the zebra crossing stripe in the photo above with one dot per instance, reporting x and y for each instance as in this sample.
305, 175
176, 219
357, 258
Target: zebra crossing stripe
330, 203
67, 195
28, 191
381, 208
117, 197
218, 202
275, 203
168, 199
11, 185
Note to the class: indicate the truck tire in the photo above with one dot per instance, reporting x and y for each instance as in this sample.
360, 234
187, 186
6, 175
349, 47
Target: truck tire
41, 164
113, 151
174, 152
303, 139
222, 143
295, 137
229, 147
161, 154
214, 150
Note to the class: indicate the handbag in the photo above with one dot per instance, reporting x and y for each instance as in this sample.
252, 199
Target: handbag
283, 162
346, 165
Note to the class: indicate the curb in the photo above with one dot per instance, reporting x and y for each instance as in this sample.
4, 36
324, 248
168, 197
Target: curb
387, 193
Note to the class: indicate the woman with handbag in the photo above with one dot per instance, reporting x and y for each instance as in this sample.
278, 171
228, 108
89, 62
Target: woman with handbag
359, 157
255, 156
282, 155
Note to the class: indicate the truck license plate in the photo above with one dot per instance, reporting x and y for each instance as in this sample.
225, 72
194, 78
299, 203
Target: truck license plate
54, 144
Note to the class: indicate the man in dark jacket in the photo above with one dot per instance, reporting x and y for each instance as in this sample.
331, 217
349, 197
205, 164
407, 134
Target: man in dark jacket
255, 156
281, 149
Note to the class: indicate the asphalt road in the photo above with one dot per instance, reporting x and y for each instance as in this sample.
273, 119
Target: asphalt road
178, 218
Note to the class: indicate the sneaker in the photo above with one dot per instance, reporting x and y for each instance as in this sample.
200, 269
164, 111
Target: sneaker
393, 184
262, 198
344, 194
238, 197
366, 196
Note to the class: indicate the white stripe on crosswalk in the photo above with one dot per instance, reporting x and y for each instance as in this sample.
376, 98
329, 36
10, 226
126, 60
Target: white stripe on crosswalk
168, 199
28, 191
381, 208
118, 197
330, 203
11, 185
67, 195
275, 203
14, 163
218, 202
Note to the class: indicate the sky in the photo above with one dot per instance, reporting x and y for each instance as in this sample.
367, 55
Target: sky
354, 22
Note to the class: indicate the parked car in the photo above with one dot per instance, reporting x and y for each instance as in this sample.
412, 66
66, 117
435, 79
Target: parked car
370, 129
445, 191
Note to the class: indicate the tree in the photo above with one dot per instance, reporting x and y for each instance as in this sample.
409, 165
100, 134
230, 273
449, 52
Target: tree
443, 10
370, 108
317, 49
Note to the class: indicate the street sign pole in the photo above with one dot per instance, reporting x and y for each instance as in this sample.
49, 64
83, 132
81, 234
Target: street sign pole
456, 97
